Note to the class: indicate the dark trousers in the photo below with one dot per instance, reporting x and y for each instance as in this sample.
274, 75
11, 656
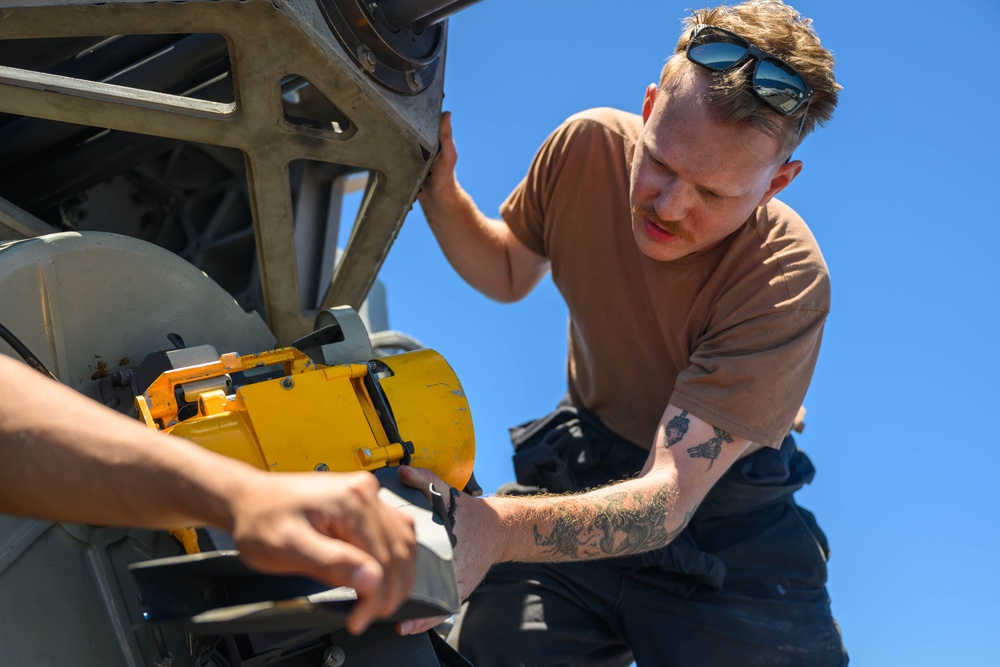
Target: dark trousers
744, 584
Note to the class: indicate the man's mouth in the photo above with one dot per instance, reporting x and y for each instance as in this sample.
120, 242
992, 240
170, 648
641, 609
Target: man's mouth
659, 229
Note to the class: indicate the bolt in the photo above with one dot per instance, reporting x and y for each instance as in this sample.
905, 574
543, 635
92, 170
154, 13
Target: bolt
287, 383
367, 58
372, 6
334, 657
322, 467
414, 80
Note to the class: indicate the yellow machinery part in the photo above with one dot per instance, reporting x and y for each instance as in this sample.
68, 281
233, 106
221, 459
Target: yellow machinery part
162, 403
323, 418
432, 412
188, 537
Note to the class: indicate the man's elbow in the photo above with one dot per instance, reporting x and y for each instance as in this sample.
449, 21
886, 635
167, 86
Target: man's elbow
510, 295
521, 281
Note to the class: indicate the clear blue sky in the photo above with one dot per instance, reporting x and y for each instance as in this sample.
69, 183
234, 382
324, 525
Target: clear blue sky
901, 189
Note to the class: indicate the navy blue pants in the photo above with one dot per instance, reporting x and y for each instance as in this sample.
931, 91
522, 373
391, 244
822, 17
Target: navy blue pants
744, 584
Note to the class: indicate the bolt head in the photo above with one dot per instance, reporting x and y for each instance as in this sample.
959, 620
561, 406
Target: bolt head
334, 657
367, 58
414, 80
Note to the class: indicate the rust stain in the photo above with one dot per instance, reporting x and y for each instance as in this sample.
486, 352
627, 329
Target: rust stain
124, 361
102, 370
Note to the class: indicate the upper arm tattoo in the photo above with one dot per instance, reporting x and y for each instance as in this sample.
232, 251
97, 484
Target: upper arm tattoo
711, 448
676, 429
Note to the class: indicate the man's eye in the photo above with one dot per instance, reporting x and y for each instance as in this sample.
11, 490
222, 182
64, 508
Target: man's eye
652, 158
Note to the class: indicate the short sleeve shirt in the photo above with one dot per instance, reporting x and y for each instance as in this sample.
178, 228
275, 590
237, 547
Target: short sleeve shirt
730, 334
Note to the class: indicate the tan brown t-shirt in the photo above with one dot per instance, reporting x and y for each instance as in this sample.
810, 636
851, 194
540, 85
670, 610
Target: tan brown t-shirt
730, 334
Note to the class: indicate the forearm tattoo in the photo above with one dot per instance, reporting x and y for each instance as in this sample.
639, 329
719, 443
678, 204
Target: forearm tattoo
676, 429
711, 448
625, 523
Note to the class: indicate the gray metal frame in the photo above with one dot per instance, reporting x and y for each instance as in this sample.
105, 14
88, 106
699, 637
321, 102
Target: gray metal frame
391, 135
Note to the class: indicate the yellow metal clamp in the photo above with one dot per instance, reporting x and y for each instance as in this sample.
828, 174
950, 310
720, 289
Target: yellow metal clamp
407, 408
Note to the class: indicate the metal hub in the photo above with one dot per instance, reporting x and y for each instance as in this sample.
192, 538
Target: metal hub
405, 59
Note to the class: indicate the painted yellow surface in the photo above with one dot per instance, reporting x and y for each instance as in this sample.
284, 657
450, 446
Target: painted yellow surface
323, 417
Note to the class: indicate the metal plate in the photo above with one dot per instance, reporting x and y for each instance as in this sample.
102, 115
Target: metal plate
216, 593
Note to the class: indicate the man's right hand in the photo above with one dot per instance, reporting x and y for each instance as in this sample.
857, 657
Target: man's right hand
442, 175
484, 251
333, 528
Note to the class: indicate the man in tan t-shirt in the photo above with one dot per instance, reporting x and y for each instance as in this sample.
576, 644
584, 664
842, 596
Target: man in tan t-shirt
697, 304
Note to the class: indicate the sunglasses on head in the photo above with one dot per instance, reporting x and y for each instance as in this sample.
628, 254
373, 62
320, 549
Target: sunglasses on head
774, 81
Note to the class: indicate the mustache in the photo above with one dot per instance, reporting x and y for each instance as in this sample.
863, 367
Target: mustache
669, 225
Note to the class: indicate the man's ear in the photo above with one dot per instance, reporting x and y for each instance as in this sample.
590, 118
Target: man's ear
647, 101
782, 178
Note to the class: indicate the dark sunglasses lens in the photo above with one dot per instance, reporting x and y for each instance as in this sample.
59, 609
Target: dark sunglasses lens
778, 86
716, 55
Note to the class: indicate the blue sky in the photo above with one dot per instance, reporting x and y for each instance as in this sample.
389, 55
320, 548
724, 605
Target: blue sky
901, 191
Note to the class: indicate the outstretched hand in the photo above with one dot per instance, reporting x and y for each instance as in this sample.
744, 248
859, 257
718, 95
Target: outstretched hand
333, 528
472, 552
442, 175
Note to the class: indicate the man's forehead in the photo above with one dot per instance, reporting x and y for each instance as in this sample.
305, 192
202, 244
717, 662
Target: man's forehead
682, 128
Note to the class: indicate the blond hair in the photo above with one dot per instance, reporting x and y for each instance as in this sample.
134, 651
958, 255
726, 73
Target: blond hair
779, 30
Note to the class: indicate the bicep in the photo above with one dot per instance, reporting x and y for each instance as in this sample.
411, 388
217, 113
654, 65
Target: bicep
693, 452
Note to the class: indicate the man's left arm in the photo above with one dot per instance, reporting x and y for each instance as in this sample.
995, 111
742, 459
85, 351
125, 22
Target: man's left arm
633, 516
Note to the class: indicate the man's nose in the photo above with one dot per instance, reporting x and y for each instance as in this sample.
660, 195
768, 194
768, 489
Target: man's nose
671, 201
